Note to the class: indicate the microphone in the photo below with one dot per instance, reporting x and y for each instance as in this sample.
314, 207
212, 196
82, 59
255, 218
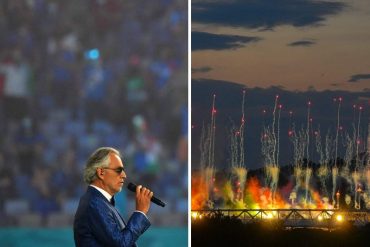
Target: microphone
132, 187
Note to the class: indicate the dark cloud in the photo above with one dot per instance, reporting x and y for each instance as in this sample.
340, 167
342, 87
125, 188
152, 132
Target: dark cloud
201, 70
359, 77
311, 88
264, 14
209, 41
302, 43
277, 87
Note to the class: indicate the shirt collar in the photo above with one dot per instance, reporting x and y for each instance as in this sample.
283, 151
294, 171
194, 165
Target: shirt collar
105, 194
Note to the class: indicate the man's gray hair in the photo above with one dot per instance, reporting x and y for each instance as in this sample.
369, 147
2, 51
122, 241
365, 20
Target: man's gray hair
100, 158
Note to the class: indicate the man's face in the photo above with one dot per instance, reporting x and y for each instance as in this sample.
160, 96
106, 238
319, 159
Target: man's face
113, 177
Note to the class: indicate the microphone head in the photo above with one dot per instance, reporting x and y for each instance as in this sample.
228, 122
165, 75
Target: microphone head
132, 187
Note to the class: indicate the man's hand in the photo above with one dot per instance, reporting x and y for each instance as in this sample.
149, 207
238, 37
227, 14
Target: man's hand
143, 196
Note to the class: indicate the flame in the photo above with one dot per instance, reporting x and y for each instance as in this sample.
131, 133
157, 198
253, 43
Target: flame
198, 193
254, 196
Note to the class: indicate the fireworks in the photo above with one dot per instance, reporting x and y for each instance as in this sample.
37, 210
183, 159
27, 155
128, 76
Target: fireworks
305, 186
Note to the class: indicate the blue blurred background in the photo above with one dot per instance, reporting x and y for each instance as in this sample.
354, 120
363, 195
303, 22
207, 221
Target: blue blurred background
77, 75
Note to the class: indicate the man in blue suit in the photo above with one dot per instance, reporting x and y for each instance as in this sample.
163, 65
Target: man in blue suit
97, 222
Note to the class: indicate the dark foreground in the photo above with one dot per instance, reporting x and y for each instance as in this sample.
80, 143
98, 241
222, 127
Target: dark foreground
232, 232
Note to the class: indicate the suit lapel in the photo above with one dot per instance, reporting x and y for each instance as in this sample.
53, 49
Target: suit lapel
117, 215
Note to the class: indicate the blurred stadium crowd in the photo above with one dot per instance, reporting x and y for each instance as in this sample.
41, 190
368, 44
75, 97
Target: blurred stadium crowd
77, 75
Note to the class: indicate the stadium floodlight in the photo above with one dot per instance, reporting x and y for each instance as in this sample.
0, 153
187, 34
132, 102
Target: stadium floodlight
339, 218
194, 215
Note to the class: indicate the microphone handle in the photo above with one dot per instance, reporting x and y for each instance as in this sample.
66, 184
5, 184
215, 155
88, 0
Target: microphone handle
157, 201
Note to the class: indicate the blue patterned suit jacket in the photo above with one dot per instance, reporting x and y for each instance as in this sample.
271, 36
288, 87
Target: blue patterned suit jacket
98, 223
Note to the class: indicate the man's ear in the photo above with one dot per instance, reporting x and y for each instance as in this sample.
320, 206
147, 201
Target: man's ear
100, 172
